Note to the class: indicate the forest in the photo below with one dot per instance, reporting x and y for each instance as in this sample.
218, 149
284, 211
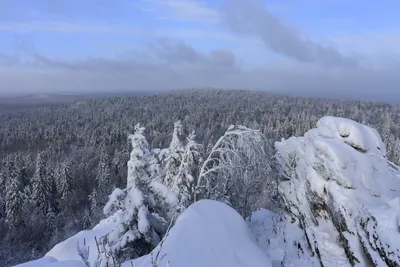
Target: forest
62, 164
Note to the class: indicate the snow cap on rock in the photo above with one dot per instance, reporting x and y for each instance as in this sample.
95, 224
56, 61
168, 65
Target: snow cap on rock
356, 135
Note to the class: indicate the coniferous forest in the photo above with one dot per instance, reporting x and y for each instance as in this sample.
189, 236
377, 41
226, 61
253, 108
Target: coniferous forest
62, 164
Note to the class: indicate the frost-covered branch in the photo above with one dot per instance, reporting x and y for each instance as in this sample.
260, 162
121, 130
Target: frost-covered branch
235, 168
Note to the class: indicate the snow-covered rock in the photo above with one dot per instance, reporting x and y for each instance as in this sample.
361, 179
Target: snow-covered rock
282, 240
343, 193
208, 233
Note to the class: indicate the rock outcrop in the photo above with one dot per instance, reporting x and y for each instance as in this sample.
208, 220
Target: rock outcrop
341, 190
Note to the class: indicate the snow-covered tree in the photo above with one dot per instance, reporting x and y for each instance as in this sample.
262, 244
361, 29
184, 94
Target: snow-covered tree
93, 201
103, 172
63, 180
51, 218
145, 207
153, 165
174, 158
93, 212
13, 199
188, 171
237, 159
3, 180
42, 189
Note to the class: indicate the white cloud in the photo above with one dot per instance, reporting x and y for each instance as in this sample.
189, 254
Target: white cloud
209, 56
170, 63
250, 18
184, 10
69, 27
369, 42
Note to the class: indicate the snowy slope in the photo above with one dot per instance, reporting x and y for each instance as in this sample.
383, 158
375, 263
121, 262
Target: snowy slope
211, 234
208, 233
51, 262
67, 250
343, 192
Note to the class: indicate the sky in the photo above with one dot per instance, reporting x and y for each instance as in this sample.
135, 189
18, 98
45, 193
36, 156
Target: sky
322, 48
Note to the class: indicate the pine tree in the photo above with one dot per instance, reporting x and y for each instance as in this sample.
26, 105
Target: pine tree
93, 211
42, 190
51, 218
174, 158
87, 220
188, 172
103, 173
21, 165
63, 181
3, 180
14, 200
145, 206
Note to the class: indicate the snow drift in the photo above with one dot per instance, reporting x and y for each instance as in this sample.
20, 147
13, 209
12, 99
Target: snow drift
51, 262
343, 193
67, 250
211, 234
208, 233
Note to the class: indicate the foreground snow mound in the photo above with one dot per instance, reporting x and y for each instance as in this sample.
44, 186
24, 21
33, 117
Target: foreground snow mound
208, 233
67, 250
51, 262
343, 192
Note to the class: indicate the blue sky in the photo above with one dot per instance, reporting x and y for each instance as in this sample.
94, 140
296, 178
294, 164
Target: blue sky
110, 45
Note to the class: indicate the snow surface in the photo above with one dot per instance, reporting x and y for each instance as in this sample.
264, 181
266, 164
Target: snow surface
67, 250
51, 262
351, 133
208, 233
343, 201
282, 240
343, 189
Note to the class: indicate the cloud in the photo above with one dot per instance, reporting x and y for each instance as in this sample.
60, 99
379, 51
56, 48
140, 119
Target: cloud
250, 17
370, 42
183, 10
170, 63
163, 52
69, 27
308, 69
9, 60
165, 63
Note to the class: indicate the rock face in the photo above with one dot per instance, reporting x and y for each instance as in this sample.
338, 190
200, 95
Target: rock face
341, 190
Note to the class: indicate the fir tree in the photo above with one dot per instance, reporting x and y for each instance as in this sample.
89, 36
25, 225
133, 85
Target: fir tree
103, 172
174, 158
14, 200
145, 206
188, 172
63, 181
42, 190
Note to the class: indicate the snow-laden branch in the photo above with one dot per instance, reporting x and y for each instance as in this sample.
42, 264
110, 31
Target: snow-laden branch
239, 150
